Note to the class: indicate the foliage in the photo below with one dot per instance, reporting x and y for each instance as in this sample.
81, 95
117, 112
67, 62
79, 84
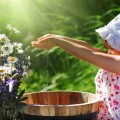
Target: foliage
56, 69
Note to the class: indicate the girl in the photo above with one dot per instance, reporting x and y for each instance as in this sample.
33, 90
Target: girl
108, 77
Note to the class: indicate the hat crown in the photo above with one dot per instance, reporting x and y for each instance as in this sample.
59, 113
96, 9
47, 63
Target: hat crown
111, 32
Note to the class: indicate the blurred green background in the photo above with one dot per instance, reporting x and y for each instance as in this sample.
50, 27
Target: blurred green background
56, 69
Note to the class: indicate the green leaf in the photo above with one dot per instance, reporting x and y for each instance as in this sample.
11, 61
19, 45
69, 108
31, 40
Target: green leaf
34, 49
27, 48
21, 94
24, 98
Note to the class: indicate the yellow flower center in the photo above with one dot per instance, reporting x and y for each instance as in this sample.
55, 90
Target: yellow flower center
2, 71
11, 58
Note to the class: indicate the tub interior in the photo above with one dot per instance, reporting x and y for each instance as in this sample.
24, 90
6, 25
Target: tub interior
60, 98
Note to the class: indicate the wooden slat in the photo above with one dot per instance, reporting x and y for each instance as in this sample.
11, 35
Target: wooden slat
85, 97
95, 107
62, 111
85, 109
32, 99
64, 98
44, 111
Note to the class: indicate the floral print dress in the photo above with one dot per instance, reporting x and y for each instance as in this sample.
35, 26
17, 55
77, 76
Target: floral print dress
108, 91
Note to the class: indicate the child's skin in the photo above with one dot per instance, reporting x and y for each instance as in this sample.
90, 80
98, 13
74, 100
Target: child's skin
109, 61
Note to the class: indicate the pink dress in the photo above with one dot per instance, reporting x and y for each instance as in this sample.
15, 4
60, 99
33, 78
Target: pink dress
108, 91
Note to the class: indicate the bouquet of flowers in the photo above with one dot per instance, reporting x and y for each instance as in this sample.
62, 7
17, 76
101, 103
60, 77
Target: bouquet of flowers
14, 65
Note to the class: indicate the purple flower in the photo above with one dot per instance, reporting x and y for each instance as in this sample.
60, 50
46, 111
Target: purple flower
4, 60
9, 89
11, 83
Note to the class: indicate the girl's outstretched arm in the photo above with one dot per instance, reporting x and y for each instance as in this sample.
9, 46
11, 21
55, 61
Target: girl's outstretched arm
80, 42
106, 61
103, 60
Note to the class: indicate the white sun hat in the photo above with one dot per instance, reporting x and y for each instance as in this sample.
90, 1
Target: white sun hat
111, 33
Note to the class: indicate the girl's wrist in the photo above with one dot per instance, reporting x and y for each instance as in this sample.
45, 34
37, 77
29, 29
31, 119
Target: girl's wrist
56, 41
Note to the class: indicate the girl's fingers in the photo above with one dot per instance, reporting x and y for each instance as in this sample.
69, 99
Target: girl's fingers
41, 38
38, 45
35, 43
41, 46
43, 42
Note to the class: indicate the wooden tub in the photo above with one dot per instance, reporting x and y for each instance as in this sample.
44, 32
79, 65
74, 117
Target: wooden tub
61, 105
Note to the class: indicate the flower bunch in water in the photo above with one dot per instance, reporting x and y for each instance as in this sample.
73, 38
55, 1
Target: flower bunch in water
14, 65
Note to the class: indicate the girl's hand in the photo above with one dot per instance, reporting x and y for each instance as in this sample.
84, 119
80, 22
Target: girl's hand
47, 41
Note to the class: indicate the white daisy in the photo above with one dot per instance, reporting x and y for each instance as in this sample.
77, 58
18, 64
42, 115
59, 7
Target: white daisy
17, 45
7, 42
5, 70
7, 49
2, 70
4, 39
25, 75
12, 59
11, 28
20, 51
28, 57
16, 31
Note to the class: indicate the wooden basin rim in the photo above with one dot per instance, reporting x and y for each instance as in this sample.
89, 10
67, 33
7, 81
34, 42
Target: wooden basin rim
60, 103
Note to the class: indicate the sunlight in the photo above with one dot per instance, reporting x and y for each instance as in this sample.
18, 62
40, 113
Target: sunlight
9, 8
35, 15
22, 12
